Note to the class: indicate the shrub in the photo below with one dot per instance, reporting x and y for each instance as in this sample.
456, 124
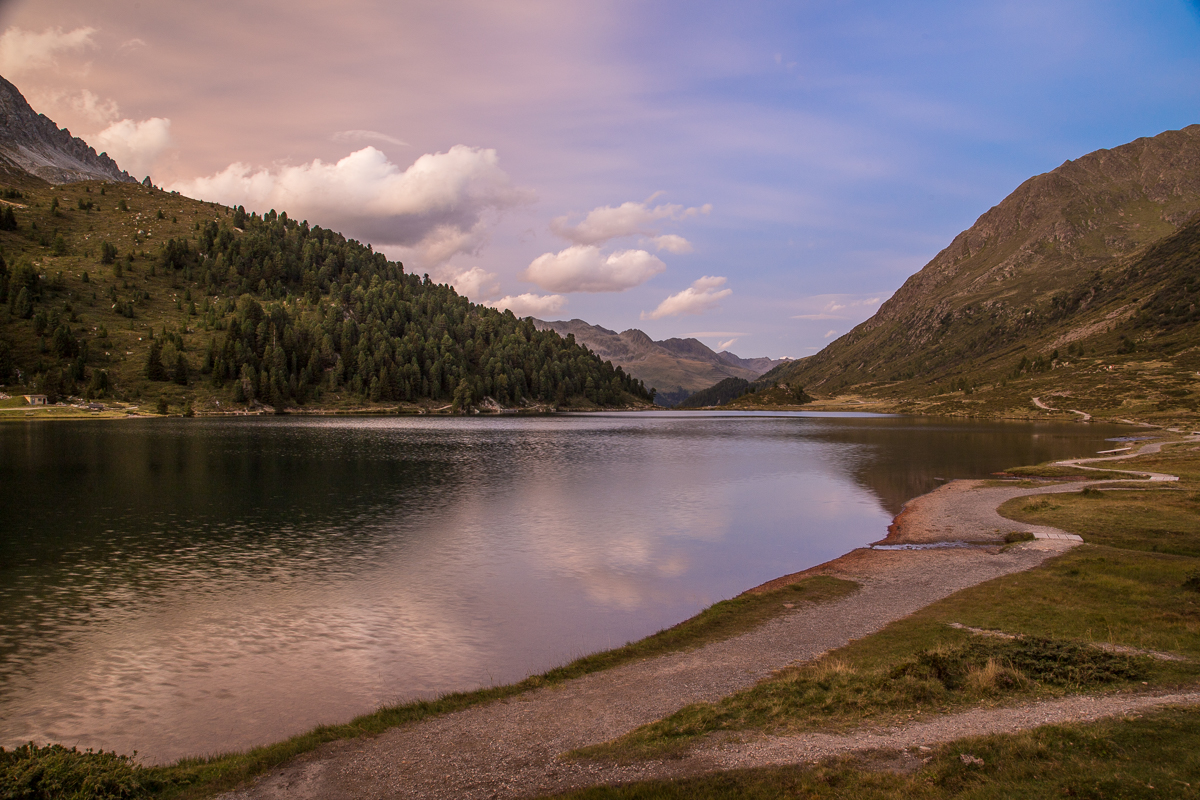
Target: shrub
53, 771
1192, 581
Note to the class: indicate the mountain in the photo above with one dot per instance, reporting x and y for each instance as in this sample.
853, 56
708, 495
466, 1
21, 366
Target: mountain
115, 290
30, 142
676, 367
1063, 290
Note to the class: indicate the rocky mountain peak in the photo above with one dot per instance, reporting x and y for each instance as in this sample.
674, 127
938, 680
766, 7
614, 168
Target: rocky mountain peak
33, 143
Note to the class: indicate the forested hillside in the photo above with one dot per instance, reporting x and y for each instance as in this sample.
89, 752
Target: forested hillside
715, 395
125, 291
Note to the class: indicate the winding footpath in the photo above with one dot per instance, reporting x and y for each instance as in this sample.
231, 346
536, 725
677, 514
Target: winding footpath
512, 748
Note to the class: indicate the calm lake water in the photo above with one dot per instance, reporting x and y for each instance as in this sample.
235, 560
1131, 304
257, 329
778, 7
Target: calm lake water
182, 587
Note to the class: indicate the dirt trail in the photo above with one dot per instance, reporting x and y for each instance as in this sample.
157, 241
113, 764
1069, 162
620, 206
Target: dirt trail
763, 751
511, 748
1083, 415
1149, 448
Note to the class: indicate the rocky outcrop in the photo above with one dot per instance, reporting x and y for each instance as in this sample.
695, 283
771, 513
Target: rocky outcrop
32, 142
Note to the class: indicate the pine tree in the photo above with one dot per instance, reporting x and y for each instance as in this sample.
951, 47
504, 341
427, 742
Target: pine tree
180, 373
155, 370
23, 307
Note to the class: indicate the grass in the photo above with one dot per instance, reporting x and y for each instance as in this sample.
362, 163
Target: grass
1161, 521
1091, 594
719, 621
839, 693
1180, 459
205, 777
1155, 755
1053, 471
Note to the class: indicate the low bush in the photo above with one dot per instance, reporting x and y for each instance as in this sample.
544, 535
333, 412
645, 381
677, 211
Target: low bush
1192, 582
54, 772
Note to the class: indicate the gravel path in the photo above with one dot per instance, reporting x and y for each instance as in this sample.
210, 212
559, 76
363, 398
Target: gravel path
510, 748
965, 510
763, 751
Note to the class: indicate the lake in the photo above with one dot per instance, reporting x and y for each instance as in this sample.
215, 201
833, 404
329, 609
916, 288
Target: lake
189, 586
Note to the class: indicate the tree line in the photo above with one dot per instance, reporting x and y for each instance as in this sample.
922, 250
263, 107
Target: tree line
318, 313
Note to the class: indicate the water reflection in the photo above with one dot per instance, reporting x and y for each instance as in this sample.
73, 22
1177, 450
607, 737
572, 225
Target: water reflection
188, 586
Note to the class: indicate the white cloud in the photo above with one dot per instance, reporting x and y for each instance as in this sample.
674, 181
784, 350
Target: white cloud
830, 333
21, 50
627, 219
582, 268
840, 306
135, 146
672, 243
83, 106
361, 135
430, 212
530, 305
476, 284
697, 298
91, 106
726, 345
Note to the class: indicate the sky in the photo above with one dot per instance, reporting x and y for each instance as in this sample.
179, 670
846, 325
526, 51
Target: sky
758, 175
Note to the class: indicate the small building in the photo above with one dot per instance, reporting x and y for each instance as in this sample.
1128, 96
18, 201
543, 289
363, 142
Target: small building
35, 399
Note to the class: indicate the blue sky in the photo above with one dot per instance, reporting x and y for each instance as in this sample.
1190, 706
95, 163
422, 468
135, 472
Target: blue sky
759, 174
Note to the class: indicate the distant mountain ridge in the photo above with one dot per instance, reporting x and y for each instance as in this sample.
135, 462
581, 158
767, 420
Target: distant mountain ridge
30, 142
1066, 278
676, 367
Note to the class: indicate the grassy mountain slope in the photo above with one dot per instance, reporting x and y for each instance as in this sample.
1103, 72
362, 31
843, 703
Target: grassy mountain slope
1077, 288
123, 291
675, 367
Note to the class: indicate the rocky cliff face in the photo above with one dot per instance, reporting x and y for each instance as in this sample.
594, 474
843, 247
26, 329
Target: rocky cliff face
34, 144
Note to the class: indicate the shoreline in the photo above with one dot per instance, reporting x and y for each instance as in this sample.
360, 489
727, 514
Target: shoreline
520, 737
918, 521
